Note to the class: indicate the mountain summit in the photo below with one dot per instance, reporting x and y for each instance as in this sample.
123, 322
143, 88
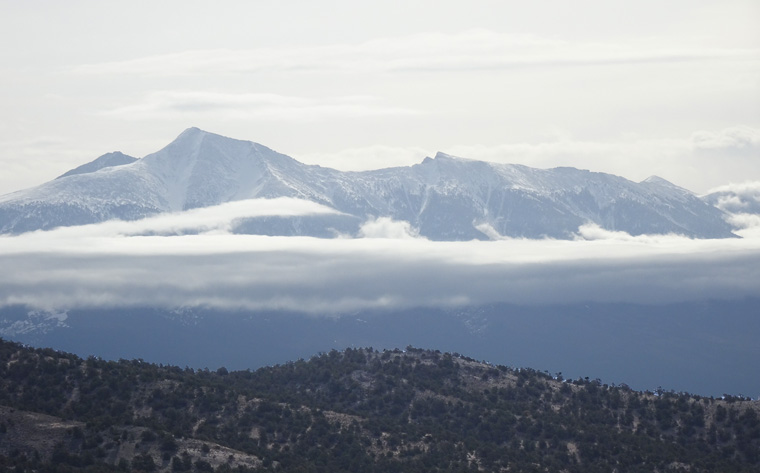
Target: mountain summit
445, 198
106, 161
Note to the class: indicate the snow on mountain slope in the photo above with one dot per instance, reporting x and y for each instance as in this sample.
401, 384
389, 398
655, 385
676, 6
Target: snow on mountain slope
445, 198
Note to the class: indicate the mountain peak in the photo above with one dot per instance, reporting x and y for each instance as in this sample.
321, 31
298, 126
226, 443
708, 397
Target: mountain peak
196, 133
191, 140
117, 158
192, 133
441, 158
193, 130
193, 137
444, 156
657, 180
663, 185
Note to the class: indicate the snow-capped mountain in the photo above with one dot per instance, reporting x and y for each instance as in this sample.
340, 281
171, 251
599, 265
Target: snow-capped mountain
445, 197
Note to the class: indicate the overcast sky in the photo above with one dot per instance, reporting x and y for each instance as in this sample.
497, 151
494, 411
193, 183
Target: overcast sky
633, 88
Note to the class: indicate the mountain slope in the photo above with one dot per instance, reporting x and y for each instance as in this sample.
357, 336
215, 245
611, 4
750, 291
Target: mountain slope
446, 198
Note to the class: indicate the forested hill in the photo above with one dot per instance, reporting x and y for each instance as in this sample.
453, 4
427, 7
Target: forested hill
351, 411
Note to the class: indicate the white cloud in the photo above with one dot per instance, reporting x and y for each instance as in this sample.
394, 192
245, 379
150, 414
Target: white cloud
101, 265
731, 202
741, 201
748, 225
385, 227
741, 193
593, 232
749, 187
218, 219
742, 138
488, 230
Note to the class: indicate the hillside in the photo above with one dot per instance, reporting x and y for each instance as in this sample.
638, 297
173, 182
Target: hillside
356, 410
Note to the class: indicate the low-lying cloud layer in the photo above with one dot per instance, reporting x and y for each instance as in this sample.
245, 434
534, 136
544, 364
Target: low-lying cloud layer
136, 264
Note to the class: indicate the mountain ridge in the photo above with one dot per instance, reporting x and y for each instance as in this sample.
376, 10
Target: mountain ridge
445, 197
354, 410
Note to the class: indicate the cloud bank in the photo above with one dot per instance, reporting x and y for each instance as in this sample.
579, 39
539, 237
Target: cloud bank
136, 264
741, 202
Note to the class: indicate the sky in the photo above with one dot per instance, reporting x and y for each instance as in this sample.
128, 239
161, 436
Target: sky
631, 88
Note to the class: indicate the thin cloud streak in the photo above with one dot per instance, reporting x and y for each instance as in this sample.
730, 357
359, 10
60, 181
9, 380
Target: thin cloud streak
102, 266
470, 50
184, 105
